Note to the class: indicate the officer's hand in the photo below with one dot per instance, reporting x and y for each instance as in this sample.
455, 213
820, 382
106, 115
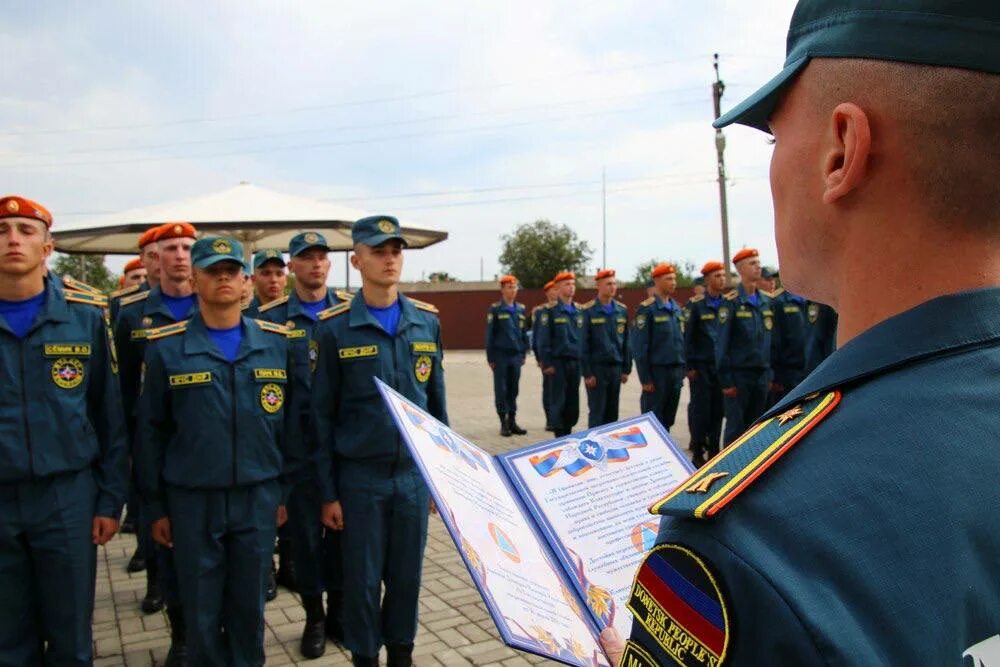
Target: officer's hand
590, 381
691, 375
102, 529
551, 370
624, 378
282, 516
333, 516
649, 387
493, 365
729, 392
162, 533
613, 644
433, 508
775, 387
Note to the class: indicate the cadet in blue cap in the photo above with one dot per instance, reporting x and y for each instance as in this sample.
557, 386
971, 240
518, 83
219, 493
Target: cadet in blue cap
658, 347
605, 358
63, 464
268, 277
856, 521
212, 420
788, 341
701, 334
316, 557
370, 486
506, 345
559, 347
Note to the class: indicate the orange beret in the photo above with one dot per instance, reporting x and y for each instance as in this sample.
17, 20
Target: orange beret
563, 275
508, 280
549, 285
712, 267
147, 237
661, 270
121, 281
745, 253
13, 206
132, 265
175, 230
605, 273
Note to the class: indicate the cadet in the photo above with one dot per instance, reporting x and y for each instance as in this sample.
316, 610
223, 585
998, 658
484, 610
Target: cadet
856, 522
169, 302
821, 336
269, 279
371, 488
701, 333
134, 273
211, 430
658, 347
788, 342
551, 297
316, 563
506, 345
743, 353
150, 261
606, 360
62, 451
559, 346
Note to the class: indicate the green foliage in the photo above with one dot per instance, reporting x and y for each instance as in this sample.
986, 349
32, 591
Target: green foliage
686, 272
537, 251
441, 277
86, 268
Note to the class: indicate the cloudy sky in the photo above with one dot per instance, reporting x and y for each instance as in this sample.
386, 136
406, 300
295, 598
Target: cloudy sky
471, 117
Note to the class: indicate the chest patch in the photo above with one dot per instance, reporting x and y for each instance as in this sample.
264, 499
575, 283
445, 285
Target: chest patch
272, 397
67, 372
422, 368
270, 374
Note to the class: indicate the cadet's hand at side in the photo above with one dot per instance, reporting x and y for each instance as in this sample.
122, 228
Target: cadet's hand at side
551, 370
103, 529
282, 516
613, 645
691, 375
624, 378
731, 392
333, 515
649, 387
162, 534
590, 381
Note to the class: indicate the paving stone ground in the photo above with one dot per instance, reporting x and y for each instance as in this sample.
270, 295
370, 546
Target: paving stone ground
455, 628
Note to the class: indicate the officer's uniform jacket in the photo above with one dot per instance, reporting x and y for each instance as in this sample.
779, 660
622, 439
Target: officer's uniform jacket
821, 339
536, 316
559, 333
208, 423
506, 331
115, 298
658, 338
744, 334
604, 339
350, 419
701, 328
789, 338
60, 410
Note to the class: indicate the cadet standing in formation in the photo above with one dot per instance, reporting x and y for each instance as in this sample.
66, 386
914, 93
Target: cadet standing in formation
316, 557
214, 404
744, 349
789, 341
63, 464
856, 522
268, 279
605, 357
134, 274
536, 316
559, 347
150, 261
371, 488
506, 346
821, 337
658, 344
701, 335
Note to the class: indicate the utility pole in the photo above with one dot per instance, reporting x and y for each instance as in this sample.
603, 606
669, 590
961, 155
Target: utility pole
720, 147
604, 219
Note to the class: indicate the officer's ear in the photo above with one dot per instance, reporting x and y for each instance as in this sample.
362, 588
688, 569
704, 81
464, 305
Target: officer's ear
355, 262
847, 152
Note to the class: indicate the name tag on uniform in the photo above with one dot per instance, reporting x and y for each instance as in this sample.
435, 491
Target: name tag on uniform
768, 313
270, 374
744, 313
137, 334
296, 333
598, 320
358, 352
792, 309
187, 379
661, 318
560, 320
425, 347
503, 316
67, 350
708, 316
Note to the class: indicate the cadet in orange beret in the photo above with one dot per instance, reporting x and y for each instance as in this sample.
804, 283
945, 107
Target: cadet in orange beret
506, 345
559, 348
605, 358
134, 273
551, 297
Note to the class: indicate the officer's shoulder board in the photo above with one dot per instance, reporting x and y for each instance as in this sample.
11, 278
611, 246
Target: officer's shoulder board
71, 283
272, 327
537, 308
334, 310
696, 298
124, 291
647, 302
620, 303
495, 304
134, 298
588, 304
423, 305
167, 330
713, 486
89, 298
778, 292
520, 306
272, 304
730, 295
769, 295
344, 295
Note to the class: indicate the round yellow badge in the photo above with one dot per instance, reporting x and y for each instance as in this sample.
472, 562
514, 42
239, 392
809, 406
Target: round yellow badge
272, 397
222, 246
313, 355
422, 368
386, 226
12, 206
310, 238
67, 372
768, 323
723, 315
147, 321
813, 312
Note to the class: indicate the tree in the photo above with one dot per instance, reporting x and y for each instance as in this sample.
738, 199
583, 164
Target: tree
537, 251
686, 272
86, 268
441, 277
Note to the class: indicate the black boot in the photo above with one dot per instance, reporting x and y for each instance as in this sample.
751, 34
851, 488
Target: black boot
286, 565
363, 660
504, 425
272, 584
514, 428
136, 563
177, 655
313, 643
153, 601
334, 617
399, 655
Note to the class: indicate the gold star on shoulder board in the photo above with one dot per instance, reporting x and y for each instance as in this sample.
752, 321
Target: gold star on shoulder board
789, 415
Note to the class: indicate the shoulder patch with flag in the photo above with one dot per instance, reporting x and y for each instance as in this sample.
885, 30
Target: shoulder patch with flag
719, 481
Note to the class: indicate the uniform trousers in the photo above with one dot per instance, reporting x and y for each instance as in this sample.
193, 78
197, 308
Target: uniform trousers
748, 404
564, 409
666, 395
705, 409
602, 400
506, 381
788, 378
316, 551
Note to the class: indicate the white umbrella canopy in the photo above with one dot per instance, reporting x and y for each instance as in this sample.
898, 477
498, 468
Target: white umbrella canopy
258, 217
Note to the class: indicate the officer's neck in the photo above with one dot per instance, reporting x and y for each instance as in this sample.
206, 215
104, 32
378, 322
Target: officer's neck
663, 297
379, 296
605, 300
176, 289
714, 294
310, 294
219, 316
19, 288
506, 301
749, 286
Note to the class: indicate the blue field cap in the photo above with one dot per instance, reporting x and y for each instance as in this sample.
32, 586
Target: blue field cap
376, 230
214, 249
944, 33
267, 255
306, 240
